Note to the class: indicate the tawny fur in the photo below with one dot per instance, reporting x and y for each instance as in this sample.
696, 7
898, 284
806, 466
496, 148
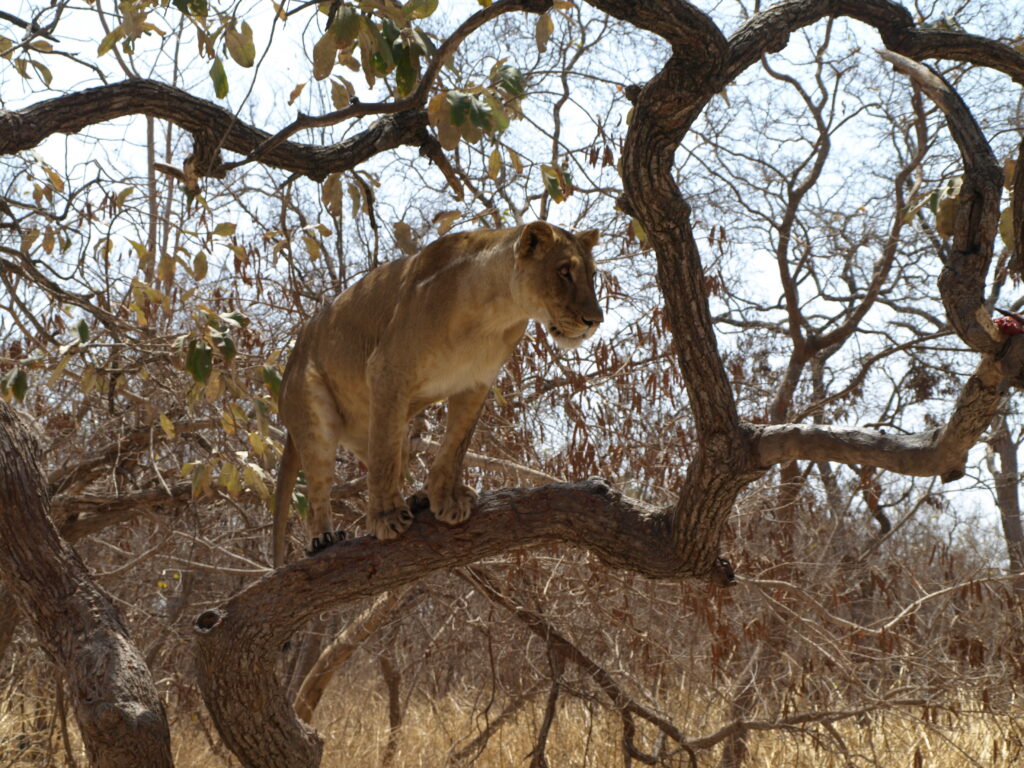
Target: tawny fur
438, 325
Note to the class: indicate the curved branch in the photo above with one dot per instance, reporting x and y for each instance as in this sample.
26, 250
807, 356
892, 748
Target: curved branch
769, 31
237, 644
941, 451
684, 26
212, 126
962, 280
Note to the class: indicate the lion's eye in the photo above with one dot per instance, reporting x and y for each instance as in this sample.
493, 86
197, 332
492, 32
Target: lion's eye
565, 271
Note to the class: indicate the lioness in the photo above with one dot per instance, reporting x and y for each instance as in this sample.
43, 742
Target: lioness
436, 325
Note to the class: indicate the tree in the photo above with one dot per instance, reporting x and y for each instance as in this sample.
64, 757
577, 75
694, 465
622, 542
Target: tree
161, 358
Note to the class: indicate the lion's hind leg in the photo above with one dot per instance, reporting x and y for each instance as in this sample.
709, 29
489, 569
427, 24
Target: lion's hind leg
322, 427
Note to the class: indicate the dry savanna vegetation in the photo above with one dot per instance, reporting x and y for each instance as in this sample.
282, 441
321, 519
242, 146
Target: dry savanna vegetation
768, 515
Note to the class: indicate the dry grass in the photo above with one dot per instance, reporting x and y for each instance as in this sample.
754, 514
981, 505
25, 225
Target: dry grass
355, 733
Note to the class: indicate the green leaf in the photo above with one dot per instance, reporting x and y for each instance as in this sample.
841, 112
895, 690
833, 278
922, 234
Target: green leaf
272, 378
16, 382
301, 503
240, 45
509, 79
197, 8
220, 78
225, 345
346, 24
199, 360
498, 118
465, 105
224, 229
406, 72
234, 319
554, 183
83, 330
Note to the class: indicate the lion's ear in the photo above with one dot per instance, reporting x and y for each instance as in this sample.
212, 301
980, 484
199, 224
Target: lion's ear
534, 235
589, 238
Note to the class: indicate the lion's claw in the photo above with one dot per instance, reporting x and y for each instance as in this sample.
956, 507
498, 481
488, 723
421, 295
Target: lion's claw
325, 540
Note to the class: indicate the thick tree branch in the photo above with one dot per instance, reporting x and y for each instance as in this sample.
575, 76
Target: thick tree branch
684, 26
212, 126
663, 112
119, 713
962, 280
941, 451
237, 644
769, 31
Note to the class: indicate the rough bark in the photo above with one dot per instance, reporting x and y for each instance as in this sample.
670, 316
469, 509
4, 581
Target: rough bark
213, 126
236, 644
119, 713
941, 451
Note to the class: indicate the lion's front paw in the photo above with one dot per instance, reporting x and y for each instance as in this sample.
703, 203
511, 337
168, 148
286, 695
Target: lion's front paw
390, 521
325, 540
454, 506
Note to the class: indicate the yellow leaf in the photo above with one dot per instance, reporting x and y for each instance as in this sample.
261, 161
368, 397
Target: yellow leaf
229, 479
324, 53
295, 93
165, 268
259, 445
446, 220
253, 476
214, 387
404, 238
227, 422
494, 164
58, 370
945, 216
341, 93
545, 26
167, 426
1006, 227
199, 266
312, 247
331, 193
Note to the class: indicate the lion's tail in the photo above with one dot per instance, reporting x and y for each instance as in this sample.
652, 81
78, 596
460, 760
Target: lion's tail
287, 473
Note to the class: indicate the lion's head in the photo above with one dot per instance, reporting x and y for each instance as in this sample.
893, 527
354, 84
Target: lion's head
555, 278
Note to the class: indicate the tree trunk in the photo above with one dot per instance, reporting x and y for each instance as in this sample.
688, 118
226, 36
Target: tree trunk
1007, 477
119, 713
